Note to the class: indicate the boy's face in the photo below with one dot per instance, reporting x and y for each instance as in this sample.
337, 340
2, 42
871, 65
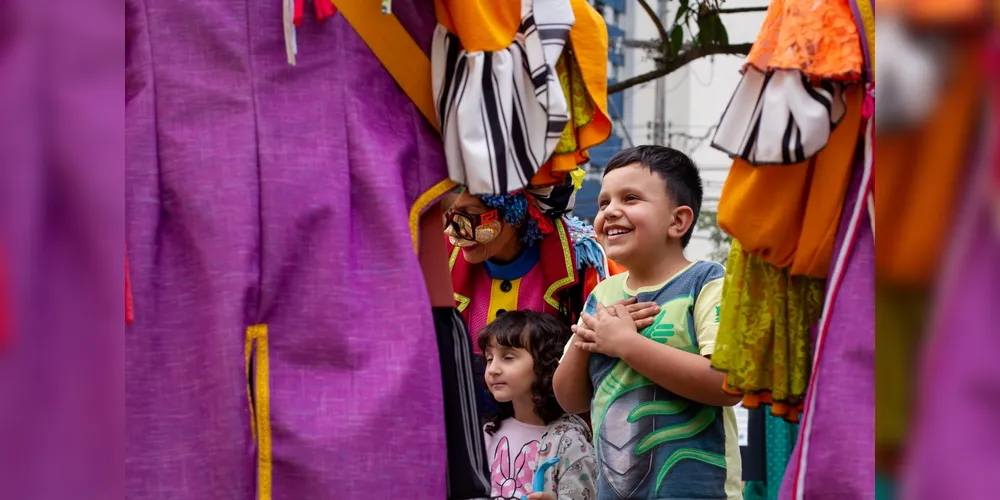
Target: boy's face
636, 217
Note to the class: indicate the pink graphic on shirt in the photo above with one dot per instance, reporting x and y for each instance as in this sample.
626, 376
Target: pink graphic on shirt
512, 482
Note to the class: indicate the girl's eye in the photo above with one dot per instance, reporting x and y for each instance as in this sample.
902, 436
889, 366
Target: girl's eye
508, 357
489, 360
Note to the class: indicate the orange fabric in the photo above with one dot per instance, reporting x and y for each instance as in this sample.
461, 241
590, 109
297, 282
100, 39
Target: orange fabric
919, 175
754, 401
589, 39
615, 268
481, 25
787, 214
819, 38
937, 12
830, 177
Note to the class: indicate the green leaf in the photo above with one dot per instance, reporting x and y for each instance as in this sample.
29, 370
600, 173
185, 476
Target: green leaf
721, 35
681, 10
676, 40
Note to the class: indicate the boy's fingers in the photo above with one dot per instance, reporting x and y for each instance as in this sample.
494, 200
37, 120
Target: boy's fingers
601, 310
588, 320
643, 323
642, 305
647, 312
621, 311
584, 334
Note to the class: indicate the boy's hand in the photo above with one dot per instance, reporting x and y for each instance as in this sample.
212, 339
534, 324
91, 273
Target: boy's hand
610, 332
643, 313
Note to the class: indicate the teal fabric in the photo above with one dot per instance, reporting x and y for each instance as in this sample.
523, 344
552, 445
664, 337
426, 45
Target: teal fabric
885, 488
779, 439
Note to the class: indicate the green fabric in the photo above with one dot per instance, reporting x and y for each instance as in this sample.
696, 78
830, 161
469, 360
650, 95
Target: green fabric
779, 441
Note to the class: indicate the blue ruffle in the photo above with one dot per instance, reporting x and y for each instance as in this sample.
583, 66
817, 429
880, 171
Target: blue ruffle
588, 250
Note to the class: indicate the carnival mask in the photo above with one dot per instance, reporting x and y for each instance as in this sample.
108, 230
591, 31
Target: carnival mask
466, 230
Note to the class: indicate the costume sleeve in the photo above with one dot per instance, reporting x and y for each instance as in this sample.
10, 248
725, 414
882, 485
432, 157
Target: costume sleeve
520, 90
575, 478
706, 315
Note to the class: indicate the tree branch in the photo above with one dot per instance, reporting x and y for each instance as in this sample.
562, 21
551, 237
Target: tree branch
664, 37
739, 10
675, 63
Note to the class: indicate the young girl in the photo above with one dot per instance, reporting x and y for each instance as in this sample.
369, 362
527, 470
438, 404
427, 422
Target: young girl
521, 350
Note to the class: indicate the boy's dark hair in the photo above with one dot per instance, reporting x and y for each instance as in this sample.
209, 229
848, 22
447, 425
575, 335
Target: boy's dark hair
544, 336
678, 172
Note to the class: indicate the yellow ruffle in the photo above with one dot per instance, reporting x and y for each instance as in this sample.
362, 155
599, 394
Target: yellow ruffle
763, 344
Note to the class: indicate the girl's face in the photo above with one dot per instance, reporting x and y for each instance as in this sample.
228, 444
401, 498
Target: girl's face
509, 373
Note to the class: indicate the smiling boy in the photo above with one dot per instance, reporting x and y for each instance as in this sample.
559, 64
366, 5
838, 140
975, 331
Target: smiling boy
663, 427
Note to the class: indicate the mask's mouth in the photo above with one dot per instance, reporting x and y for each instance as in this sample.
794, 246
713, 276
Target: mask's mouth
482, 235
461, 242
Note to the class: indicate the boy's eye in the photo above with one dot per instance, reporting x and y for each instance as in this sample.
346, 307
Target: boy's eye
602, 203
631, 197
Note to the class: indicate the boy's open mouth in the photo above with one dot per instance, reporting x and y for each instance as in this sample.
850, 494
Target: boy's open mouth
616, 232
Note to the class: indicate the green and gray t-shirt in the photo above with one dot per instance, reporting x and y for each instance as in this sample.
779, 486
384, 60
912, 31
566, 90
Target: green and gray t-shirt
650, 442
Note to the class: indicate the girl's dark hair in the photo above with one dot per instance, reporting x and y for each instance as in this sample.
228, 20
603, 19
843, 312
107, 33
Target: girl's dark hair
544, 336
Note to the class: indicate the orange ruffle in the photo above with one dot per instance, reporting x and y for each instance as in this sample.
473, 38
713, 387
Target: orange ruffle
918, 178
937, 12
819, 38
753, 401
788, 214
482, 26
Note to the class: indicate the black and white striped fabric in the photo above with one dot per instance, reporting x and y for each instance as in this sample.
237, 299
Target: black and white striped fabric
502, 113
779, 118
555, 201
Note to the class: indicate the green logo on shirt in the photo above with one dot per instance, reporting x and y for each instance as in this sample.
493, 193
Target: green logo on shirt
718, 313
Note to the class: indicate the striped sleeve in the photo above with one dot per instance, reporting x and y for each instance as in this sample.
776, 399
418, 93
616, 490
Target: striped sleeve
502, 113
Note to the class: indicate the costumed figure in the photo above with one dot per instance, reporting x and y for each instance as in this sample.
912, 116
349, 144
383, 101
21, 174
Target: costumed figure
797, 319
520, 92
283, 171
521, 252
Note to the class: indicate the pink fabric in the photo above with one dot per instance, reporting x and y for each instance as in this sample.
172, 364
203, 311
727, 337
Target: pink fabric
513, 452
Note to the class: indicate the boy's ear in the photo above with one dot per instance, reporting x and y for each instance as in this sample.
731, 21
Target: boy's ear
683, 218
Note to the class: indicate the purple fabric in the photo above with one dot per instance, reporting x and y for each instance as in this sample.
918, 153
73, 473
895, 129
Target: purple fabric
840, 461
955, 439
61, 225
264, 193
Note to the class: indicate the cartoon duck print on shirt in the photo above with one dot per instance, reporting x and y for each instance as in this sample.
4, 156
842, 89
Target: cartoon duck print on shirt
512, 478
